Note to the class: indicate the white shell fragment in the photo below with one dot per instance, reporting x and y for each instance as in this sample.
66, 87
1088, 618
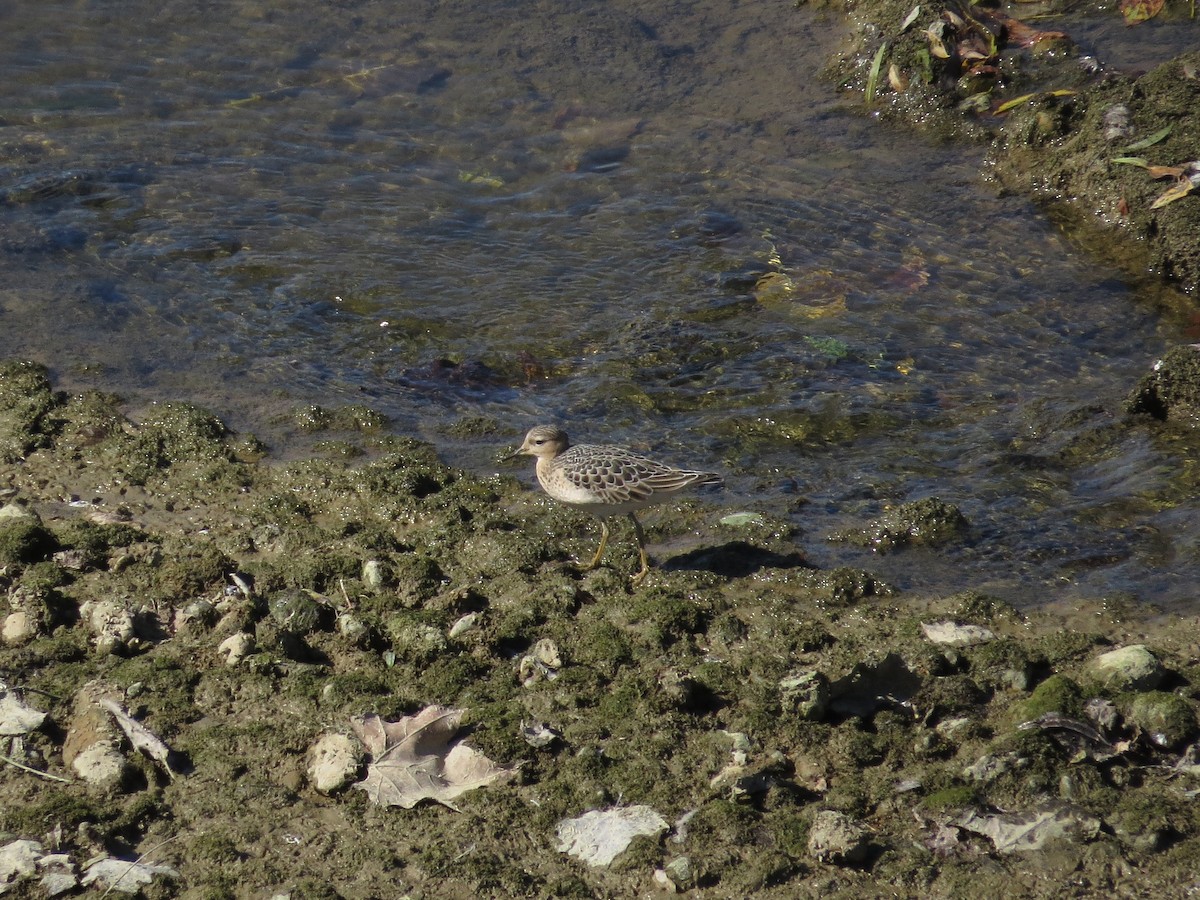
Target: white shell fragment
956, 635
543, 662
600, 836
464, 624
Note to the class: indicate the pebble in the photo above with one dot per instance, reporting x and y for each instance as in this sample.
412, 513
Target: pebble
333, 762
236, 647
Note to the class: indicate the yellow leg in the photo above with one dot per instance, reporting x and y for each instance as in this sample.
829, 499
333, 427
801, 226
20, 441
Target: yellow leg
641, 542
599, 550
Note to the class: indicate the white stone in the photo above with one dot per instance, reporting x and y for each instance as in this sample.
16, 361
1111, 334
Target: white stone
333, 762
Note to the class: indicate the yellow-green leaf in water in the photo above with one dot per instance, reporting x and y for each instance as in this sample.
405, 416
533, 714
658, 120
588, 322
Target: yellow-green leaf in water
1132, 161
1136, 11
1174, 192
742, 519
1157, 172
485, 178
873, 75
1017, 101
1013, 103
1150, 141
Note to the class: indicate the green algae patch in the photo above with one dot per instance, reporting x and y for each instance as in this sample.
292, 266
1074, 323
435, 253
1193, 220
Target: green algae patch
24, 540
1057, 694
26, 402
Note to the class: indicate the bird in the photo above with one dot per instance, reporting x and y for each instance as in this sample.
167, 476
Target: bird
605, 480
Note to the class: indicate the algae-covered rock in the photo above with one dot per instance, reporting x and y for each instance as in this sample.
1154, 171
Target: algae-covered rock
1167, 719
930, 522
836, 838
805, 694
1132, 668
297, 612
414, 639
23, 538
1172, 390
1056, 694
25, 401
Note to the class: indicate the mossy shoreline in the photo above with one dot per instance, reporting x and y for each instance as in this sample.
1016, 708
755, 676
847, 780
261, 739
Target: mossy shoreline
1100, 148
804, 732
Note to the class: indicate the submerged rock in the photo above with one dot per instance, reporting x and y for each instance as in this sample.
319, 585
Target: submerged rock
927, 523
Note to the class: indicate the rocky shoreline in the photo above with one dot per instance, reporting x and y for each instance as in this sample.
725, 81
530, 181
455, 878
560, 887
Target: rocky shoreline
203, 651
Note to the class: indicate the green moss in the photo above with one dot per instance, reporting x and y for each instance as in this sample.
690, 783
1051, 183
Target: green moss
44, 577
1066, 645
416, 637
56, 805
1056, 694
982, 609
665, 617
92, 541
604, 647
24, 540
26, 402
957, 797
1005, 663
190, 571
451, 675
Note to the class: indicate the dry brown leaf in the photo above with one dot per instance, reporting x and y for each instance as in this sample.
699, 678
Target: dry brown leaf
1165, 171
415, 759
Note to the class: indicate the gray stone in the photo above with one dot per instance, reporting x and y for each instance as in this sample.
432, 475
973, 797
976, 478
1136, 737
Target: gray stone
1132, 668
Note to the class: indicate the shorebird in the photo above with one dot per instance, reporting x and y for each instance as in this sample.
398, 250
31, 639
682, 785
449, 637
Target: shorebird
605, 481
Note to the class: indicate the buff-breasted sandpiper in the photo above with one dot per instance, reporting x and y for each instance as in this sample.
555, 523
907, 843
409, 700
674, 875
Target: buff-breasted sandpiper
605, 481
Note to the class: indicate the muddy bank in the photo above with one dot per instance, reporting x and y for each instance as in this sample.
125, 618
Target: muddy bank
768, 727
1114, 155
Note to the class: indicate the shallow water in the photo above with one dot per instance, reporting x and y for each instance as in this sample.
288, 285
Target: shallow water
527, 212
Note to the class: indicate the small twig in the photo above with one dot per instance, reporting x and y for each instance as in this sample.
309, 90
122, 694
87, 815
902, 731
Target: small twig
13, 762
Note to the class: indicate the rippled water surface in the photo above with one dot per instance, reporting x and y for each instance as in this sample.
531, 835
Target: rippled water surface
516, 212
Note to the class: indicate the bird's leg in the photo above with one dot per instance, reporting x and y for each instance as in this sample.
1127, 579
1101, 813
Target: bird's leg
599, 550
641, 542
